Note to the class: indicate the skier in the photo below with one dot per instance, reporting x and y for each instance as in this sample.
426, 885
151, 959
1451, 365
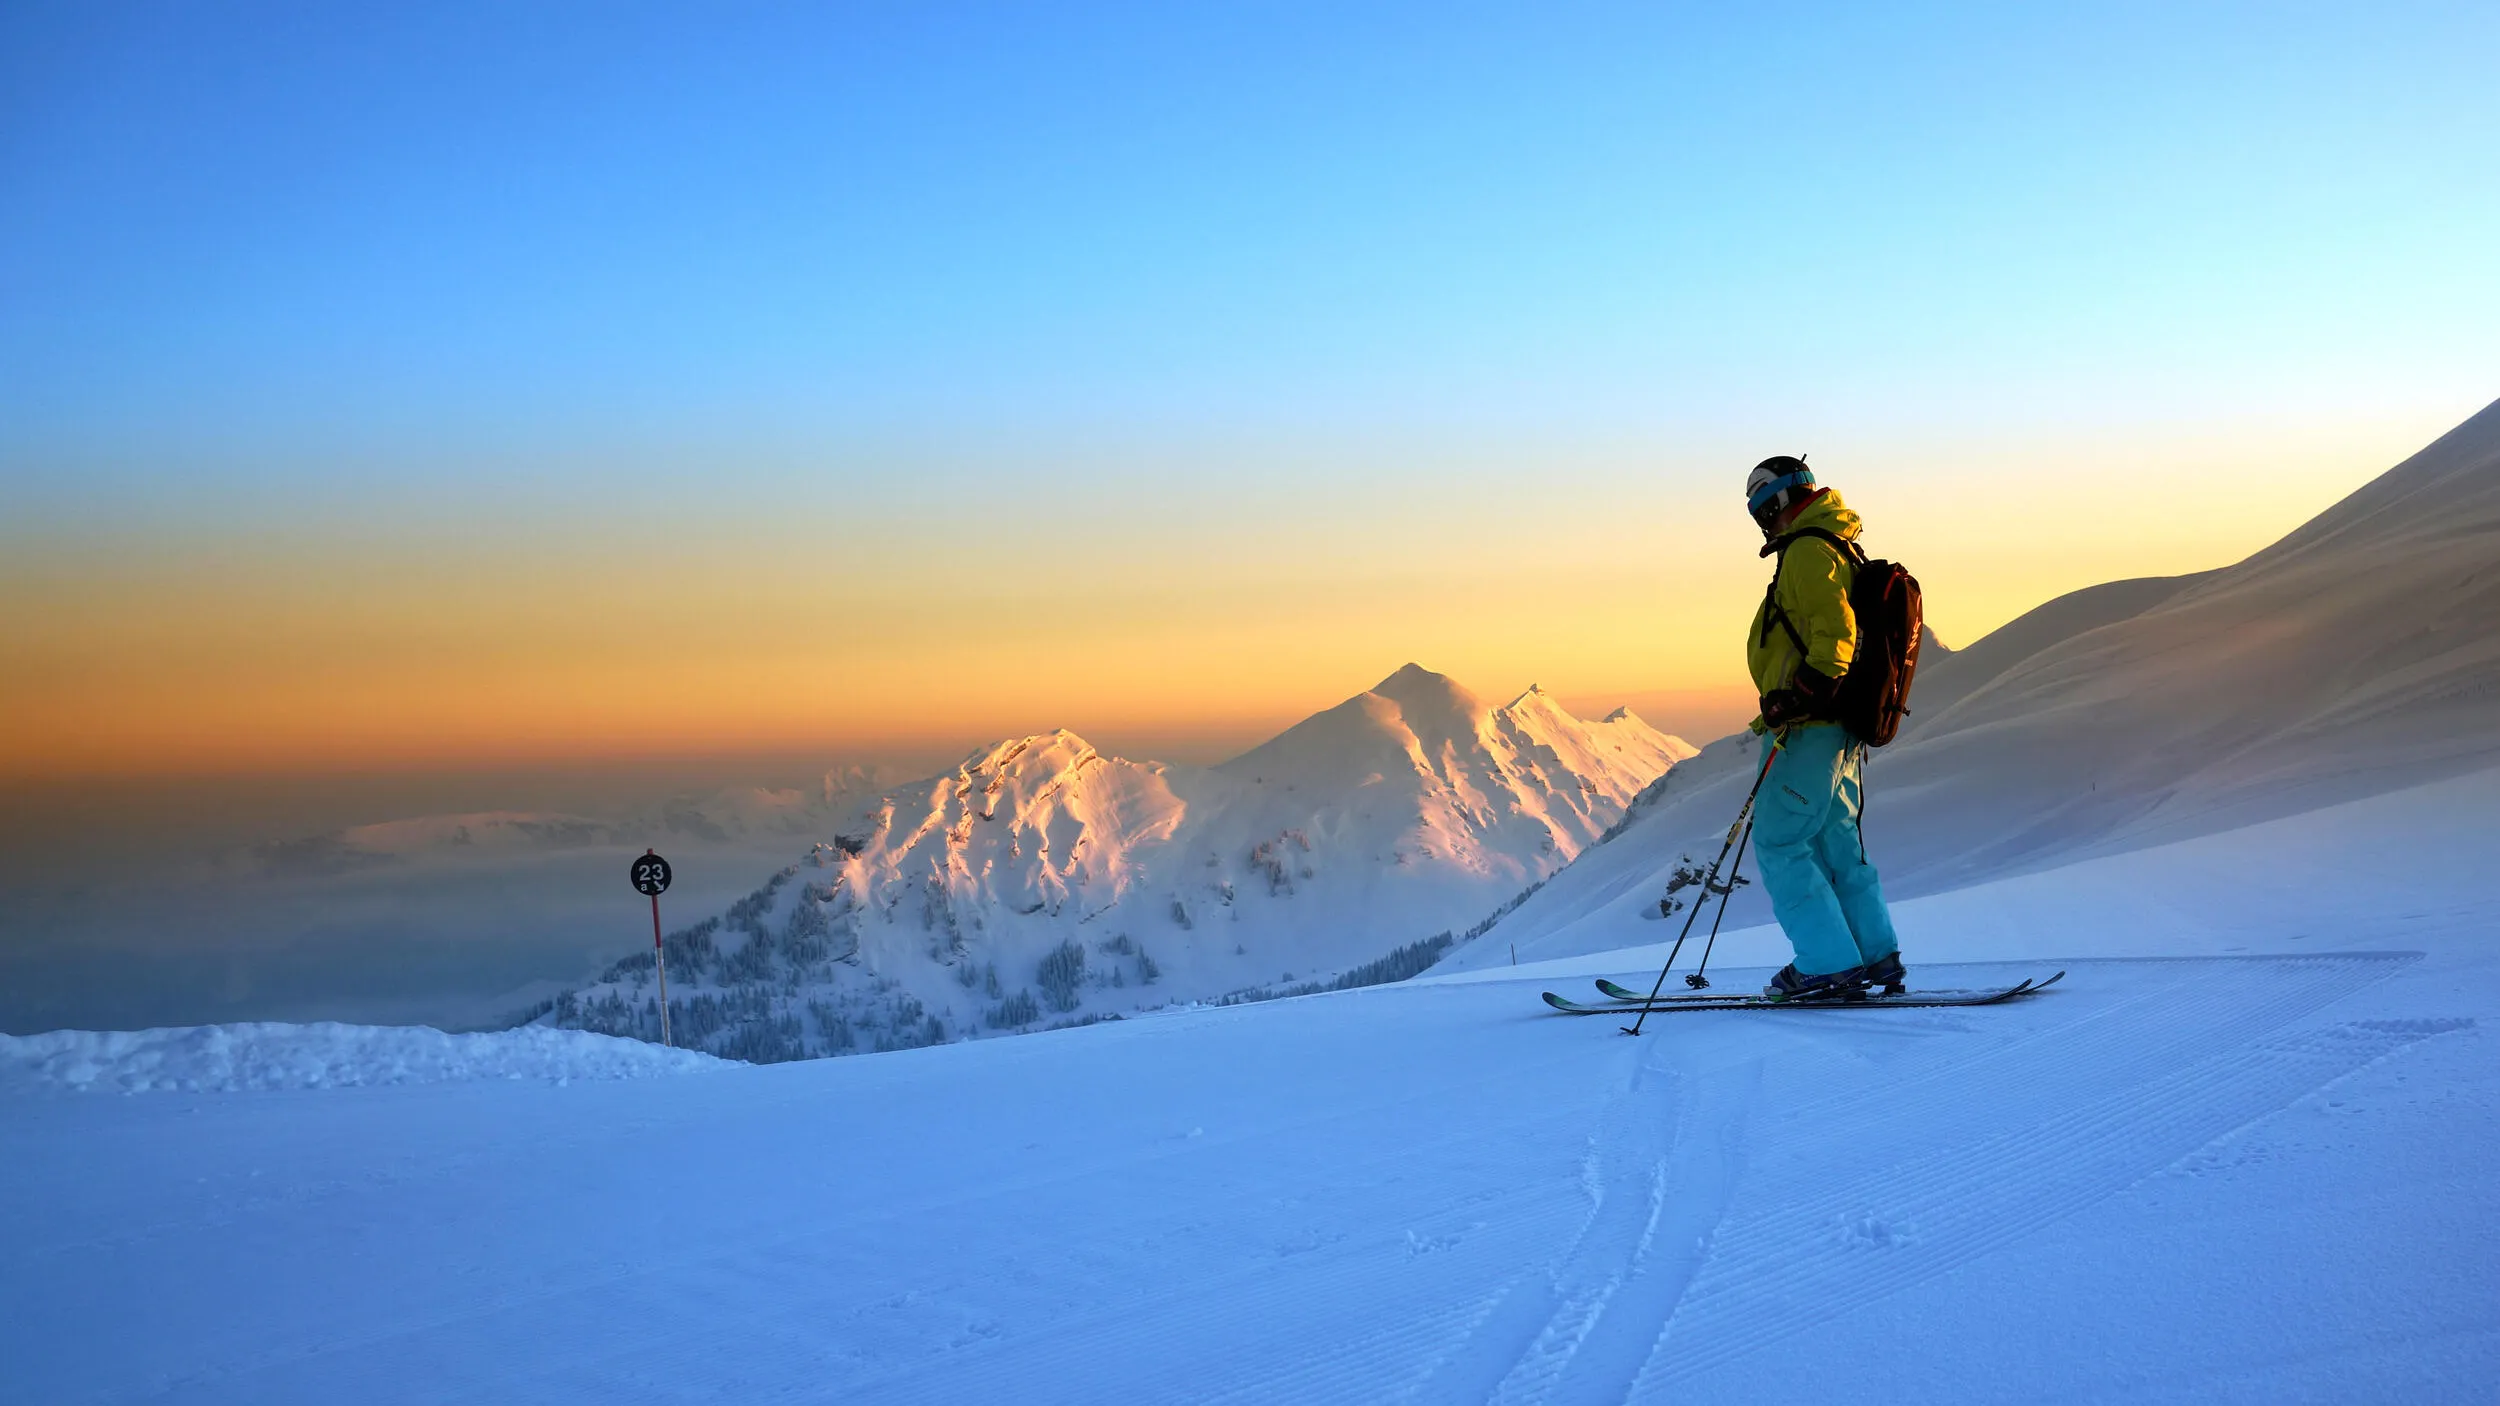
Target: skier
1813, 860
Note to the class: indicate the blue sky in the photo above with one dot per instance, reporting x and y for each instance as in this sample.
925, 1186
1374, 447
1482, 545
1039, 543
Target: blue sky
281, 226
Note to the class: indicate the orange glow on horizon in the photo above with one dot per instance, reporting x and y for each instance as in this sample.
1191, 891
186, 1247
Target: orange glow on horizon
1123, 611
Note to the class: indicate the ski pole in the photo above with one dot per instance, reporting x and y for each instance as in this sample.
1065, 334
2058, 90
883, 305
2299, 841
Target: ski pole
1742, 824
1697, 980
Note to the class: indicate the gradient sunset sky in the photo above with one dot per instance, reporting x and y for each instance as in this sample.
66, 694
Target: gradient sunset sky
391, 386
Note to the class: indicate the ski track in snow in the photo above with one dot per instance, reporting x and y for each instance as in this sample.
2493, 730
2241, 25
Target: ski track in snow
1664, 1286
1602, 1331
1660, 1144
2035, 1145
1520, 1209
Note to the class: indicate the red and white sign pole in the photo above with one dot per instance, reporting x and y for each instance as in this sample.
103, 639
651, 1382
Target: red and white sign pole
651, 876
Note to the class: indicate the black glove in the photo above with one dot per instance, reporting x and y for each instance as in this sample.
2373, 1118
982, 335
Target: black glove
1809, 694
1813, 686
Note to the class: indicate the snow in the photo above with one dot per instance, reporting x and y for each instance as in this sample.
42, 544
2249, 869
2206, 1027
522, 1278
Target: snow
2191, 1171
223, 1058
2308, 883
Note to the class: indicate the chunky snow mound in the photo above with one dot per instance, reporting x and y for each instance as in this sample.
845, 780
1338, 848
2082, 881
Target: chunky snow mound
223, 1058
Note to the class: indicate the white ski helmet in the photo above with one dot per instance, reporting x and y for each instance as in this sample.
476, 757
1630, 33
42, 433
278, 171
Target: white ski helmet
1776, 485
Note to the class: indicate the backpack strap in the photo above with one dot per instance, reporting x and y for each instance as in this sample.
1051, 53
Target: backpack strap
1778, 546
1851, 550
1773, 611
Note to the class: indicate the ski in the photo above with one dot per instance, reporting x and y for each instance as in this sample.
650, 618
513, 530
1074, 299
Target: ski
1625, 994
1663, 1004
1571, 1007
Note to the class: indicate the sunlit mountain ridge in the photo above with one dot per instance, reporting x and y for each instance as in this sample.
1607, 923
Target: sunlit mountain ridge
1044, 882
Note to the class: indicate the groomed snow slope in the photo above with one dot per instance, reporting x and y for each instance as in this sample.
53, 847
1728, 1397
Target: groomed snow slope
2358, 655
2191, 1172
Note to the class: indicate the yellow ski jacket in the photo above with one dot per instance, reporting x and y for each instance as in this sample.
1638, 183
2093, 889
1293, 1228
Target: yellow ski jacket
1813, 589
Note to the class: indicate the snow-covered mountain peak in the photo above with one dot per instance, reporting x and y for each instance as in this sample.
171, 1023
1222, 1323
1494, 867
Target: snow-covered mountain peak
1026, 821
1043, 880
1537, 703
1430, 703
1052, 754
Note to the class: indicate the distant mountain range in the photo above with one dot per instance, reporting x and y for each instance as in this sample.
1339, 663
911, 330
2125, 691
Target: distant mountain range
729, 817
1043, 882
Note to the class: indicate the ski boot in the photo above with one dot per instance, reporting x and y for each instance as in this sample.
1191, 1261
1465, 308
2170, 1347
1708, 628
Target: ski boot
1887, 973
1793, 985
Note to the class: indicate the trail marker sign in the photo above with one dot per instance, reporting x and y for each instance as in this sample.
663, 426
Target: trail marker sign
650, 874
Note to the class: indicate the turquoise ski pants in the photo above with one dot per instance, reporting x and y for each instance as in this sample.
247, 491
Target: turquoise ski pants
1805, 830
